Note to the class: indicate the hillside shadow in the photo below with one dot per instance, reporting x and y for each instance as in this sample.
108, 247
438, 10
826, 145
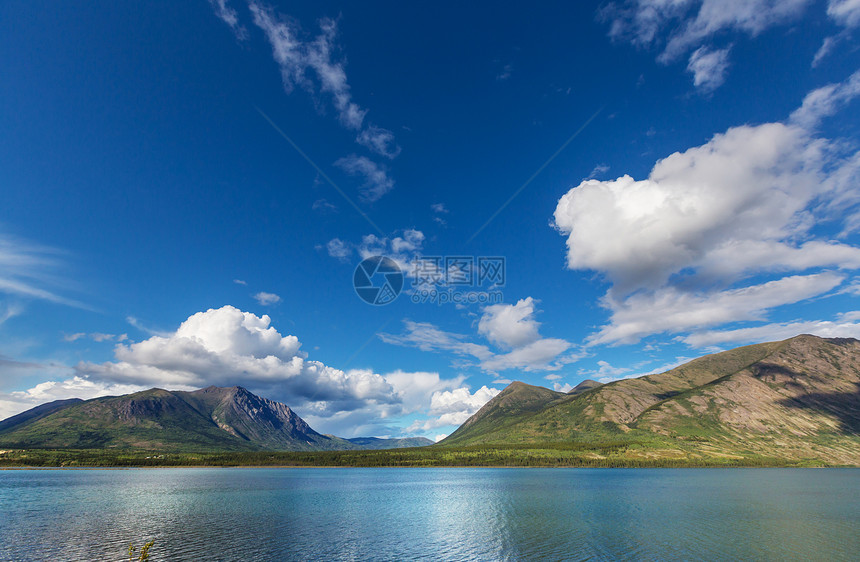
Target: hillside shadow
845, 406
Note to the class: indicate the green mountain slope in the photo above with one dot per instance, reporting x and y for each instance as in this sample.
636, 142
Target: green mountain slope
515, 404
210, 419
797, 399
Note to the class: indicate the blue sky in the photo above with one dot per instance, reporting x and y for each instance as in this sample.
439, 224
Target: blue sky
186, 193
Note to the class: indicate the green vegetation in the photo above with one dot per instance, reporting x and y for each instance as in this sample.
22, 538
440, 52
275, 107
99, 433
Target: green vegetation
607, 455
143, 554
795, 400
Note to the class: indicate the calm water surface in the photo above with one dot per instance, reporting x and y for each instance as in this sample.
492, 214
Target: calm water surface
412, 514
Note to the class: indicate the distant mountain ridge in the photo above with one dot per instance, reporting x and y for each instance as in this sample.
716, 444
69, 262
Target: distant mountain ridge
797, 399
209, 419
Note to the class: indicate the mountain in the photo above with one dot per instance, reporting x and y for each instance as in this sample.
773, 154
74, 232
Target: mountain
797, 399
585, 386
377, 443
210, 419
37, 413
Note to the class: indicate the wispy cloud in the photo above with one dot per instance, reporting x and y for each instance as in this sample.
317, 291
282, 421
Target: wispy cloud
376, 179
379, 140
229, 16
511, 328
312, 64
680, 26
31, 271
95, 336
709, 68
267, 299
145, 329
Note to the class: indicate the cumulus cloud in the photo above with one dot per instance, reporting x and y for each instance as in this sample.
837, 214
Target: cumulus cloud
376, 179
679, 26
267, 299
453, 407
508, 325
708, 68
678, 245
227, 347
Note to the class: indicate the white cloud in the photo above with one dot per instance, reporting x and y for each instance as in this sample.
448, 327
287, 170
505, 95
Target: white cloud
379, 140
826, 101
748, 186
339, 249
227, 346
440, 437
74, 337
566, 387
541, 355
598, 170
439, 209
403, 248
75, 387
376, 180
145, 329
605, 372
30, 271
677, 246
298, 59
508, 325
229, 16
239, 282
709, 68
427, 337
323, 206
267, 299
511, 327
844, 12
672, 310
453, 407
680, 26
827, 47
842, 327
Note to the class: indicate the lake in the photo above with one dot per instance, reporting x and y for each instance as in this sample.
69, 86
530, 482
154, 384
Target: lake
413, 514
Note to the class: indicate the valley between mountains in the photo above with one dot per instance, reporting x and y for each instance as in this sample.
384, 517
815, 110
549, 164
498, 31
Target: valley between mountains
793, 402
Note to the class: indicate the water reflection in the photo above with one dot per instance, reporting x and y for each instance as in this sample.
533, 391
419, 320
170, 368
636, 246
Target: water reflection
452, 514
